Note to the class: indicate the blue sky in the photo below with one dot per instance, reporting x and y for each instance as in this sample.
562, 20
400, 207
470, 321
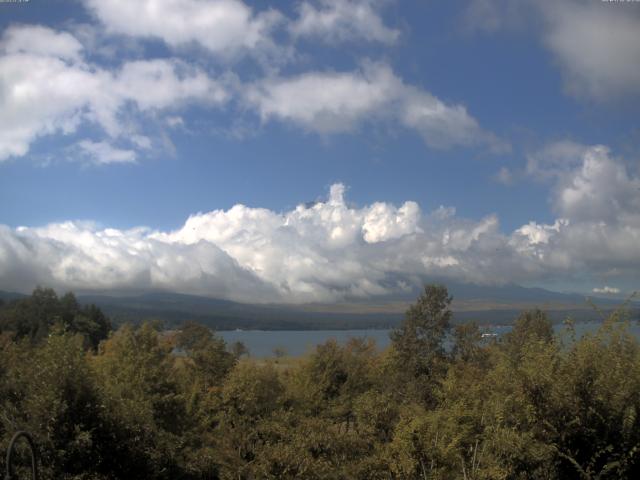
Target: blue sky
483, 141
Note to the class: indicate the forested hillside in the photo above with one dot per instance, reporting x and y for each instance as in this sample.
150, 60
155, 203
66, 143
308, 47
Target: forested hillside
105, 404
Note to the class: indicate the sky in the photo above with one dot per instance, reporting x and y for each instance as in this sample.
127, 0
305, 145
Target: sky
319, 151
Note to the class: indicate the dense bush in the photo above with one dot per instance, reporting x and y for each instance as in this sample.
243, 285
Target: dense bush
125, 405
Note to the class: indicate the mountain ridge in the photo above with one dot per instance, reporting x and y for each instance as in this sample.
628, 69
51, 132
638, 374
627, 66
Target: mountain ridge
484, 304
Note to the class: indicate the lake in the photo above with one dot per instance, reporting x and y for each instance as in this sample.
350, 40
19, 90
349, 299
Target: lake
261, 343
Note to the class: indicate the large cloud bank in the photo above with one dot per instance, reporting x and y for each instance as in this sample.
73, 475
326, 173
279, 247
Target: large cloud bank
331, 251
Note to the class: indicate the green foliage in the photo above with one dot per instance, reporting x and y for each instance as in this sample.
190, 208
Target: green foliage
530, 326
142, 402
467, 343
418, 343
49, 391
526, 407
35, 316
208, 353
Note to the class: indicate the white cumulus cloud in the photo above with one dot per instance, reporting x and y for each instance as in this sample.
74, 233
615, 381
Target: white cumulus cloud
597, 199
326, 102
36, 39
333, 102
600, 189
49, 88
229, 28
336, 21
223, 27
595, 44
325, 252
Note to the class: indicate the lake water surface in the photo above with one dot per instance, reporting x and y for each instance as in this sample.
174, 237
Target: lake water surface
261, 343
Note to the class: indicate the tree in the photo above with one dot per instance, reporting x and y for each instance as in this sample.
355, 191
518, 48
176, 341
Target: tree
32, 317
595, 404
89, 321
142, 402
418, 343
333, 376
193, 336
207, 351
530, 326
35, 316
49, 391
467, 343
250, 395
